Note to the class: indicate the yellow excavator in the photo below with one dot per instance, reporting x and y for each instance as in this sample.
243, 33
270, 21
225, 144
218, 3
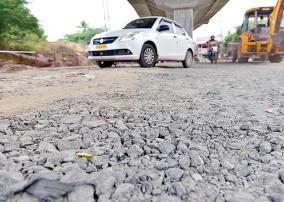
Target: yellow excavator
262, 35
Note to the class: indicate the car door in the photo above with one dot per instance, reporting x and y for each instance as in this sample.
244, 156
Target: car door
166, 42
183, 41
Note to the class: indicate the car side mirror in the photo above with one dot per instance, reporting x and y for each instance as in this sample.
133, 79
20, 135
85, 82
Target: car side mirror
163, 28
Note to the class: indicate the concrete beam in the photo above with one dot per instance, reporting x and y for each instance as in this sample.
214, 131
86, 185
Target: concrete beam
199, 12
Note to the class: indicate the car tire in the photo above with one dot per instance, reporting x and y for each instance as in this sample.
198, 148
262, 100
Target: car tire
243, 59
188, 59
148, 56
275, 59
104, 64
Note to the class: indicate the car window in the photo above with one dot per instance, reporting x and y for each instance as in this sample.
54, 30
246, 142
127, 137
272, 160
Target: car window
164, 22
146, 23
179, 30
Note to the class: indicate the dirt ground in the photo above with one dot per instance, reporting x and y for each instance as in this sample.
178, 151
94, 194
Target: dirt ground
208, 133
24, 91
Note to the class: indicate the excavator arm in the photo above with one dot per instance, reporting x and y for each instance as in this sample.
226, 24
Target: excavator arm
276, 32
276, 17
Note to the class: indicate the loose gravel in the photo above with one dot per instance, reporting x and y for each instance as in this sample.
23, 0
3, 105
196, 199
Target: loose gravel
210, 133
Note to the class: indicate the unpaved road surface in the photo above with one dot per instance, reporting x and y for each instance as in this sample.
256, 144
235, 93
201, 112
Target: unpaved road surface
209, 133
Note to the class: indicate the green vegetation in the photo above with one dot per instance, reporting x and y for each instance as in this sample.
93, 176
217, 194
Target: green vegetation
19, 29
84, 35
233, 37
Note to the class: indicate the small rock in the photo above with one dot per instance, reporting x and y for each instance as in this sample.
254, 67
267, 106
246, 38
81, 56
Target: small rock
161, 165
166, 147
94, 123
71, 119
174, 174
46, 147
49, 190
69, 145
265, 147
135, 151
196, 160
123, 191
75, 177
197, 177
103, 180
184, 162
82, 193
242, 196
120, 125
21, 159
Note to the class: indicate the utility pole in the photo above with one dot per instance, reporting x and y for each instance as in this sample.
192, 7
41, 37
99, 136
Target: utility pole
106, 14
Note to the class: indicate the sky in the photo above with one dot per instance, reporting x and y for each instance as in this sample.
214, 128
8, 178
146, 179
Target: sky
60, 17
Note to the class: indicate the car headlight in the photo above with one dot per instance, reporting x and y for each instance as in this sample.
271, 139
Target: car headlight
130, 36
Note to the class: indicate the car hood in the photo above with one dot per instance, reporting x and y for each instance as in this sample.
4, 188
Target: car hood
119, 33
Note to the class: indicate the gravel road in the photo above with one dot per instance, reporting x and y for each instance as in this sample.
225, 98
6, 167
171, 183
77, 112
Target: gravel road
209, 133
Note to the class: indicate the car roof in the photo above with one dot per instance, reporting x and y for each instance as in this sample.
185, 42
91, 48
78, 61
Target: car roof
161, 17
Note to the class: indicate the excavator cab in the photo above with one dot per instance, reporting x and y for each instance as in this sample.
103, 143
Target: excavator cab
256, 21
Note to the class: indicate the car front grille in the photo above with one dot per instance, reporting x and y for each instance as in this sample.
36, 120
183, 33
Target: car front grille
110, 52
106, 40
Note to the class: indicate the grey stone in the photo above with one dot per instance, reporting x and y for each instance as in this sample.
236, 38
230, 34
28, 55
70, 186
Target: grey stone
104, 181
184, 162
46, 147
135, 151
196, 160
197, 177
167, 198
180, 189
174, 174
123, 191
69, 145
82, 193
21, 159
166, 147
26, 141
94, 123
161, 165
49, 190
265, 147
75, 177
4, 125
23, 197
242, 196
120, 125
71, 119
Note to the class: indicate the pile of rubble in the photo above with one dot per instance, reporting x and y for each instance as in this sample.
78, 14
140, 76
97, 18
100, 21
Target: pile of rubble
153, 153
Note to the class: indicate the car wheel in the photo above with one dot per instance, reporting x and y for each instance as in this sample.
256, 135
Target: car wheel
148, 56
243, 59
275, 59
188, 60
104, 64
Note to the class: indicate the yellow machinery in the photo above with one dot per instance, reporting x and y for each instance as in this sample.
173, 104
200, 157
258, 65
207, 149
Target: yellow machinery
262, 34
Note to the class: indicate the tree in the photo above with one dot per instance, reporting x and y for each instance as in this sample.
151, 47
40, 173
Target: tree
84, 35
17, 23
233, 37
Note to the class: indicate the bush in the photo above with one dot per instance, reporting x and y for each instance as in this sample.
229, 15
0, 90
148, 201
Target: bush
84, 35
19, 29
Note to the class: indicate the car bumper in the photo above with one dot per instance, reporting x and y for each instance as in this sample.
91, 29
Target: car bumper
114, 58
117, 51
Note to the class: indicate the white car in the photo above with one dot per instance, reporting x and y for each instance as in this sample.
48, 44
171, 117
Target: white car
146, 40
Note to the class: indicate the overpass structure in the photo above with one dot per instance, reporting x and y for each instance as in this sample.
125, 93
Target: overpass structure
189, 13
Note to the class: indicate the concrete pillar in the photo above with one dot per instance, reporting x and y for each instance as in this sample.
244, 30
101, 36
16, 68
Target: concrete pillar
185, 18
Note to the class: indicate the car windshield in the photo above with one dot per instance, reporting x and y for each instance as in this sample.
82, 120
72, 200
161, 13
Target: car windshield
146, 23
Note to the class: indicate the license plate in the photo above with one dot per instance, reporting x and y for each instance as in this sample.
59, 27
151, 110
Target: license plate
102, 46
